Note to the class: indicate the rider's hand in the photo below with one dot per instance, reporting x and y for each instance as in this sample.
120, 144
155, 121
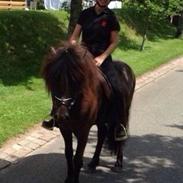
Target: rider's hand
73, 42
99, 60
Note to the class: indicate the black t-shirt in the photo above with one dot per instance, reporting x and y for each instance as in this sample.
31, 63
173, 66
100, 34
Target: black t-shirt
96, 29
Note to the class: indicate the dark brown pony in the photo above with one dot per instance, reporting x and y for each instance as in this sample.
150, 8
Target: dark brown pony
81, 98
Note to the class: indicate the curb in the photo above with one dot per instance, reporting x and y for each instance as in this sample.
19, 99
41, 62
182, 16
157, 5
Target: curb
151, 76
21, 146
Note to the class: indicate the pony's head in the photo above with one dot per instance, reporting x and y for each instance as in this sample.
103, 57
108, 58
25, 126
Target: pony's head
74, 81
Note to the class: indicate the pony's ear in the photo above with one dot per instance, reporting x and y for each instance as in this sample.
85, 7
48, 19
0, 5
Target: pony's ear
53, 50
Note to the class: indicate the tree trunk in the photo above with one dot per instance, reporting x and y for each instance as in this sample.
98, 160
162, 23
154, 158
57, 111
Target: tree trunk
76, 7
146, 21
143, 42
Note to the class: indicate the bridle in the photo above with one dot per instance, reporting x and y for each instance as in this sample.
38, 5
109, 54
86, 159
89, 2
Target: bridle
67, 102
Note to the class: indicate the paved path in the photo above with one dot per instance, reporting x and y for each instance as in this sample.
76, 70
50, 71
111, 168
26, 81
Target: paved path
153, 153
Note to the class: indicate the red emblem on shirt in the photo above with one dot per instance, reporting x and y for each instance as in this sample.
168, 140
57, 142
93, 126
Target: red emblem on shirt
103, 23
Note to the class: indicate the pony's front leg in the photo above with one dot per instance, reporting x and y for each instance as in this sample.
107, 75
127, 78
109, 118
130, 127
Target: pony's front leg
67, 135
82, 137
101, 134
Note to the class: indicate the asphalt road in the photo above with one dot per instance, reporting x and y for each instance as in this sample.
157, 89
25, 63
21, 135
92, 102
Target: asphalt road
153, 154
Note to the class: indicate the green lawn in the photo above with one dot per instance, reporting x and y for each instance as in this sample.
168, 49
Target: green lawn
155, 54
21, 107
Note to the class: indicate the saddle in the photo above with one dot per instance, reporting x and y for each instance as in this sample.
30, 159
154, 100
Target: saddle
106, 85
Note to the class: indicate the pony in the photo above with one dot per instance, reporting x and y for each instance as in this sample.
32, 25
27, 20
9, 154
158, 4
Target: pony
81, 96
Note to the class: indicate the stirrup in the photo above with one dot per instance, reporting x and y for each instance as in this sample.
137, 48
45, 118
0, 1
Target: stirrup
123, 135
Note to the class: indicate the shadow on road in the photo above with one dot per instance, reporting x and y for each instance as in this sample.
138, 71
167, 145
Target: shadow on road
148, 159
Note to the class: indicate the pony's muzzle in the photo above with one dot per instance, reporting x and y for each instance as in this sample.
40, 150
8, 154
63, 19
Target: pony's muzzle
62, 114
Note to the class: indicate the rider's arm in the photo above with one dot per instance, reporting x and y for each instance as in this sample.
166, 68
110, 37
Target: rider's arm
113, 44
114, 38
76, 34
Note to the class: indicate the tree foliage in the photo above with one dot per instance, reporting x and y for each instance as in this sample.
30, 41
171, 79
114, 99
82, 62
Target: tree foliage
148, 12
151, 14
174, 7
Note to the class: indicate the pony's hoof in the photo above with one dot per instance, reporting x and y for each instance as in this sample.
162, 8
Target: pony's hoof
90, 169
69, 180
117, 169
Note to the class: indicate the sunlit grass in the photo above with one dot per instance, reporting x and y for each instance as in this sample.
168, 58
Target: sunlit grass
21, 107
154, 54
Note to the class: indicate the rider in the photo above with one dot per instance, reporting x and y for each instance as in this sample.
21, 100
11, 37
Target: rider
99, 28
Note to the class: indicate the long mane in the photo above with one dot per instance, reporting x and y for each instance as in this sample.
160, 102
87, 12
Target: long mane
69, 63
71, 69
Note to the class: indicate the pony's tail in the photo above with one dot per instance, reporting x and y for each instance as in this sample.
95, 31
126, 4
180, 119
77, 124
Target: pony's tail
112, 122
110, 142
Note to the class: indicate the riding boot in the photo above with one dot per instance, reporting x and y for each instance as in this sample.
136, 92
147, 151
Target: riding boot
50, 124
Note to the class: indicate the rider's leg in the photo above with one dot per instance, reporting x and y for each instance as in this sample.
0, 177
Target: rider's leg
118, 104
50, 124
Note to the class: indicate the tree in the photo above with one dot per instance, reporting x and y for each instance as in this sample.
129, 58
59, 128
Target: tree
149, 12
76, 7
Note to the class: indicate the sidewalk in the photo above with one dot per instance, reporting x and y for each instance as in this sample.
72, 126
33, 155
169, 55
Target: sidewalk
21, 146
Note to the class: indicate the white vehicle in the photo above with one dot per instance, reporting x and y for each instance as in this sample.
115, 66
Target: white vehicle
115, 4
